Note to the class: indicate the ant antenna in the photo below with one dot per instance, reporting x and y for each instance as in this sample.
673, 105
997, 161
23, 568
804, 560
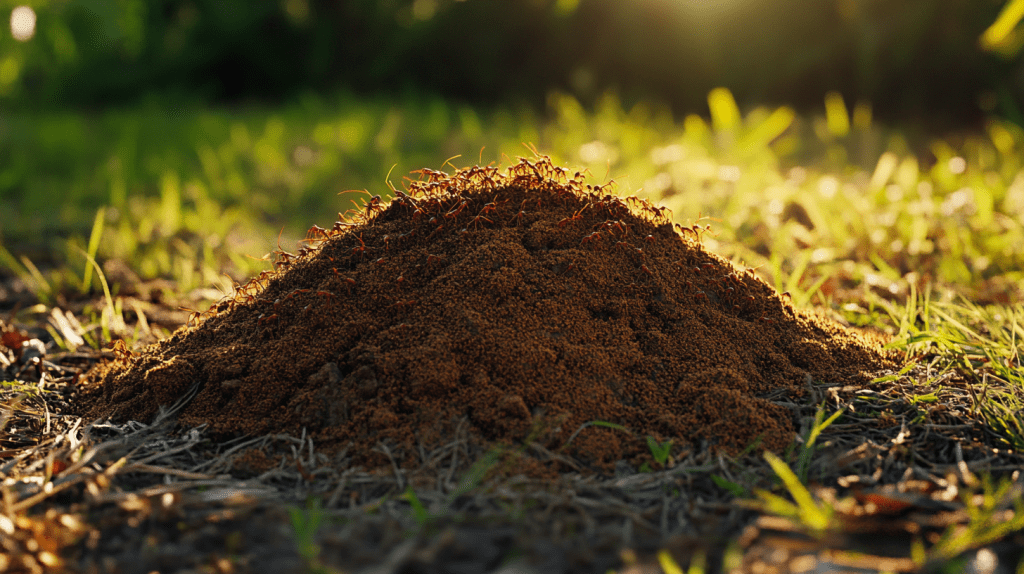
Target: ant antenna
387, 179
449, 161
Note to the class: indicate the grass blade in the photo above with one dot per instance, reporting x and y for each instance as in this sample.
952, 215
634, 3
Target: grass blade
94, 245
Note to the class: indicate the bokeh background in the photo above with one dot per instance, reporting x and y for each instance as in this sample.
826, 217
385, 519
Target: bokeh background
184, 136
914, 59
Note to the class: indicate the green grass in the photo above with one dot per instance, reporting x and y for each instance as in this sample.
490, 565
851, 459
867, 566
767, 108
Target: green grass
826, 204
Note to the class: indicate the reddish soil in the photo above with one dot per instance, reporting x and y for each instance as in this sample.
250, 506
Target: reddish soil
525, 300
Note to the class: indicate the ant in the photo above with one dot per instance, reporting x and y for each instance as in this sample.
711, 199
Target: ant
616, 224
193, 316
432, 175
284, 258
595, 236
121, 350
293, 293
349, 282
314, 231
328, 295
457, 209
362, 246
372, 206
491, 207
698, 230
476, 220
659, 212
341, 224
575, 217
518, 218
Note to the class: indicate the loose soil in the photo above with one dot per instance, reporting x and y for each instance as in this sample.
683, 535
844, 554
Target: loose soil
524, 303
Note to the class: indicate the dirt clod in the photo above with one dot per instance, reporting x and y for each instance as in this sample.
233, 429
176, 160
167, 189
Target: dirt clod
526, 301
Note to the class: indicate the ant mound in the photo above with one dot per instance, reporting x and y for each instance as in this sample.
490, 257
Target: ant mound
521, 304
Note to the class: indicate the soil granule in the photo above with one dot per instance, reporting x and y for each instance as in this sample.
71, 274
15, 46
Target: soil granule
524, 303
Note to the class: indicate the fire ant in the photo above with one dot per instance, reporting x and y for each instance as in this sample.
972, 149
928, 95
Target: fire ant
575, 217
317, 230
476, 220
328, 295
698, 230
362, 246
193, 316
659, 212
295, 292
121, 350
491, 207
518, 218
432, 175
433, 259
457, 209
646, 270
615, 224
682, 229
262, 319
373, 206
595, 236
341, 224
284, 259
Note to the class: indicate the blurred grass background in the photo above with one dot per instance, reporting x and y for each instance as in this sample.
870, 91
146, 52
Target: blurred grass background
850, 147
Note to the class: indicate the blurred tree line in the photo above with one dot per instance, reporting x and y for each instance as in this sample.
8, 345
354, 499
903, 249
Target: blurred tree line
911, 58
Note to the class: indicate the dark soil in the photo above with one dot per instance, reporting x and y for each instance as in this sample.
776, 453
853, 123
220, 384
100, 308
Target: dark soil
527, 301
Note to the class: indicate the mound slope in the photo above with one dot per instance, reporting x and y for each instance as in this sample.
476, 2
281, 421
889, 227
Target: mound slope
524, 303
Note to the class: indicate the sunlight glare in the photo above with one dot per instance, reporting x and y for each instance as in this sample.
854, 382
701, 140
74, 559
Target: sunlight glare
23, 23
